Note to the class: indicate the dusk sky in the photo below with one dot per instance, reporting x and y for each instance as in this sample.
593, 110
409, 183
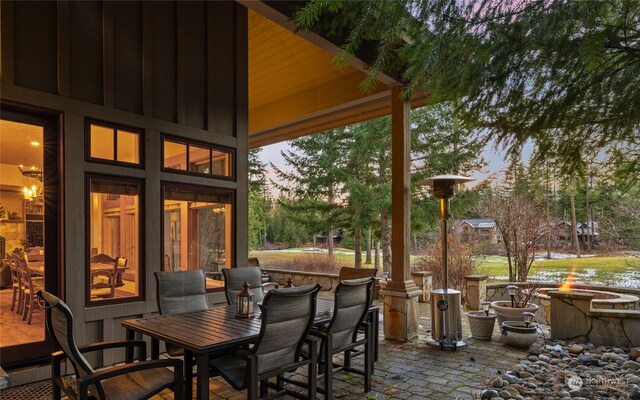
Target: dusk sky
495, 159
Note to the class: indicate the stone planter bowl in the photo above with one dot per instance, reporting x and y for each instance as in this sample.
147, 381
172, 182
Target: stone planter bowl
505, 312
518, 334
481, 324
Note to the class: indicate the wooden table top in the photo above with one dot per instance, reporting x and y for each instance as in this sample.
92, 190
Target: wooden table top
213, 329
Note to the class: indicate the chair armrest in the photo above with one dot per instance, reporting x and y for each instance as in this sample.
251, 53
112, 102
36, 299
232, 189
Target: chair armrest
114, 344
101, 375
269, 286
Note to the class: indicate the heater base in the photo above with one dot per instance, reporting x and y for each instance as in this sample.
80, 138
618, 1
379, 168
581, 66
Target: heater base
446, 345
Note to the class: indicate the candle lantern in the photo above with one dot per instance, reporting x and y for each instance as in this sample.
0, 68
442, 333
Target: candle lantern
244, 302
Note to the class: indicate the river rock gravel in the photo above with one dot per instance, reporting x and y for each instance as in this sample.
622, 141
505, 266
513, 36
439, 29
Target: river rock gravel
570, 371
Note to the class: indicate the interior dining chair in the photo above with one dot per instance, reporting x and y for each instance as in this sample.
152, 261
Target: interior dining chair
16, 286
234, 278
352, 300
103, 281
286, 319
132, 381
29, 288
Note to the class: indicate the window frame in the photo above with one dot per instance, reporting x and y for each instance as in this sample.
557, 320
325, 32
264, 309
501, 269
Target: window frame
141, 241
232, 197
212, 147
115, 127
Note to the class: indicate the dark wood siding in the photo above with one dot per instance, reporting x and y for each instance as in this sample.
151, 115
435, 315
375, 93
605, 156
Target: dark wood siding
164, 76
127, 56
85, 51
224, 48
195, 64
35, 56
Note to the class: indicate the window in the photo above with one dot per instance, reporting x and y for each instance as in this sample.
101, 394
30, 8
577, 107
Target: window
113, 264
120, 145
197, 229
198, 159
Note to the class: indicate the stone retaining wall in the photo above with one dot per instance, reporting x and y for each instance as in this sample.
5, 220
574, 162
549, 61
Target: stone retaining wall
573, 318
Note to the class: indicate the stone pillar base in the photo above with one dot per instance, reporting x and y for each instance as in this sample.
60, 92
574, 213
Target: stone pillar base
476, 291
400, 315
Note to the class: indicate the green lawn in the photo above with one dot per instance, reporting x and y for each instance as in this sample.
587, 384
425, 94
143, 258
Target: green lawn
617, 271
609, 270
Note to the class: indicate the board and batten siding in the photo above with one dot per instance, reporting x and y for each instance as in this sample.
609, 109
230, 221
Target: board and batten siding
166, 67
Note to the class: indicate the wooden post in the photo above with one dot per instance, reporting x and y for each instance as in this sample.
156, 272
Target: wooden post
401, 293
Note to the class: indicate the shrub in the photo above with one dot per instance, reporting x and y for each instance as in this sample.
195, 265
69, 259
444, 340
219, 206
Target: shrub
461, 263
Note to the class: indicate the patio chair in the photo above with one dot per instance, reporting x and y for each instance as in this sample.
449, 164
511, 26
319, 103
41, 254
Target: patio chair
180, 292
352, 302
287, 317
234, 278
140, 380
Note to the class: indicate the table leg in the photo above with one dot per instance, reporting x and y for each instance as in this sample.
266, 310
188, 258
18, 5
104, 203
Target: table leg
188, 374
131, 335
155, 349
202, 361
376, 333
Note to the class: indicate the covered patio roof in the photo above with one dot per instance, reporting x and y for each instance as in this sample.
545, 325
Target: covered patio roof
295, 87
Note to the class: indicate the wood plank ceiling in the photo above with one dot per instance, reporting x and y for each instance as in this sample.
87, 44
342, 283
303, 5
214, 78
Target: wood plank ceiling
296, 89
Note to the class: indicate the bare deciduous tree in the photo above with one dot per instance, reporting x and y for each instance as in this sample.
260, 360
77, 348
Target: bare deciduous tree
521, 224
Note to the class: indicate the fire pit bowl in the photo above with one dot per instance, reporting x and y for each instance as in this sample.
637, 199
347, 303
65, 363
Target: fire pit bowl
519, 333
601, 299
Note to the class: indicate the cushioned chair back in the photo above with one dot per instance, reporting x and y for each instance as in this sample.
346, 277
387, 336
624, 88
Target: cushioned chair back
234, 278
347, 273
350, 308
287, 317
60, 325
181, 291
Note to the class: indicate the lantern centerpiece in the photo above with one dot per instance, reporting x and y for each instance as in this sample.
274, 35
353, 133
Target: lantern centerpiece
244, 302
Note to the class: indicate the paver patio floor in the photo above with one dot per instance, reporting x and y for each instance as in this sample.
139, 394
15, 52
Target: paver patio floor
416, 370
410, 370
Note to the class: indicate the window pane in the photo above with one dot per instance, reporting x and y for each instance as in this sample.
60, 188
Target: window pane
101, 139
199, 159
129, 147
221, 163
198, 231
175, 155
114, 250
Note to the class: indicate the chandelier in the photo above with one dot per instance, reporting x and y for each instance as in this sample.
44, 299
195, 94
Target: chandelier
33, 191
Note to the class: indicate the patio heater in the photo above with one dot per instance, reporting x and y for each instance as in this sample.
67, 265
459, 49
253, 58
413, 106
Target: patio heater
446, 319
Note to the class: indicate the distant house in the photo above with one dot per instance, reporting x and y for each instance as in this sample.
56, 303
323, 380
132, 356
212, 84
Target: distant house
321, 238
584, 230
477, 229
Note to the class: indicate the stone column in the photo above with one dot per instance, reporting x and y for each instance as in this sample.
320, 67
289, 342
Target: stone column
476, 290
401, 293
424, 281
570, 317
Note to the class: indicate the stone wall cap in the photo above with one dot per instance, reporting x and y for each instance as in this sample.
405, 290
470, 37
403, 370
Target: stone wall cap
571, 295
406, 295
476, 277
422, 273
632, 314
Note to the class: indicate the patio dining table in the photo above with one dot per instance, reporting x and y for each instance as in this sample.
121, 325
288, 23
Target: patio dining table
214, 331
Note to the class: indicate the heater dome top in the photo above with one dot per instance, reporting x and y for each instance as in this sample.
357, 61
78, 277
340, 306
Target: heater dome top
440, 178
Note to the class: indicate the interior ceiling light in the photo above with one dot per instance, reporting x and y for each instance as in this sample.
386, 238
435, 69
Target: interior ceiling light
35, 143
